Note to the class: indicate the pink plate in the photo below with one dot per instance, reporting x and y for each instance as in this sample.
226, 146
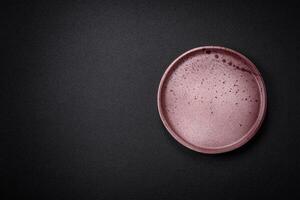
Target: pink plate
212, 99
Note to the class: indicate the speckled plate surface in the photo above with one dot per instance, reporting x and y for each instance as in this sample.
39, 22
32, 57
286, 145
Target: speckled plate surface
212, 99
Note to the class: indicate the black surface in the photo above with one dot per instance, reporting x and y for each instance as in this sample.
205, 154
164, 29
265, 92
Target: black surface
78, 89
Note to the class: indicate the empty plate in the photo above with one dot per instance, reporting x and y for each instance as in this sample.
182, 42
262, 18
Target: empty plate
212, 99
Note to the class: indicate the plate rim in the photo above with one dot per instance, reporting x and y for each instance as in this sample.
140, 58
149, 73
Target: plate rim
229, 147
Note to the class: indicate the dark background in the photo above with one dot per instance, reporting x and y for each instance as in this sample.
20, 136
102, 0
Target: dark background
78, 113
